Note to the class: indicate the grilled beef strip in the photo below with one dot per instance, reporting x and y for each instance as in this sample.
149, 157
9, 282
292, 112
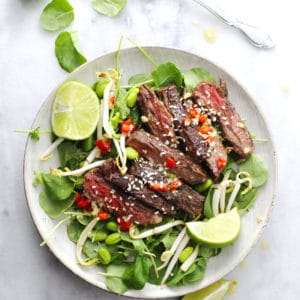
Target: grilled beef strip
151, 148
210, 152
136, 188
213, 98
116, 202
159, 120
183, 198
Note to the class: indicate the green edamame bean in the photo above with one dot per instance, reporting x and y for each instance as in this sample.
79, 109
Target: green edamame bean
185, 254
112, 226
104, 256
202, 187
100, 87
131, 153
132, 97
98, 235
115, 120
113, 238
88, 143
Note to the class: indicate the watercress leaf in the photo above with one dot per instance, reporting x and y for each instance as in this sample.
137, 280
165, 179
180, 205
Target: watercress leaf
207, 252
135, 117
198, 272
116, 284
168, 239
38, 178
165, 74
109, 8
90, 249
59, 187
120, 105
54, 208
244, 202
196, 75
138, 79
178, 275
74, 230
257, 168
138, 245
136, 275
56, 15
67, 53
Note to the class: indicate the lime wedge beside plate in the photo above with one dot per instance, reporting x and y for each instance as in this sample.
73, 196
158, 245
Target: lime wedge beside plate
75, 111
218, 231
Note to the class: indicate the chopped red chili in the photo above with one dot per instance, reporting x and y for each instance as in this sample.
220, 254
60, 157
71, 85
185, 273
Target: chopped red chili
170, 162
111, 102
204, 129
124, 225
103, 146
81, 201
103, 215
175, 185
202, 118
221, 162
126, 126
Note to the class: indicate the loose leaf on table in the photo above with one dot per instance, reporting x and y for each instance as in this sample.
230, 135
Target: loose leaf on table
66, 51
257, 168
165, 74
56, 15
196, 75
58, 187
109, 8
54, 208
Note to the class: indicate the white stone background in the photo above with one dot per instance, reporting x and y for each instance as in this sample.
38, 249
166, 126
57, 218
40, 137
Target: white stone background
29, 71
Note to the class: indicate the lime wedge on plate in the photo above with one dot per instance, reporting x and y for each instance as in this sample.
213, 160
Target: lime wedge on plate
75, 112
218, 231
215, 291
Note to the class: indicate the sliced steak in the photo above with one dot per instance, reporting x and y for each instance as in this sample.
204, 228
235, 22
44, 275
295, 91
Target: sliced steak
151, 148
117, 203
202, 147
136, 188
213, 98
183, 197
159, 120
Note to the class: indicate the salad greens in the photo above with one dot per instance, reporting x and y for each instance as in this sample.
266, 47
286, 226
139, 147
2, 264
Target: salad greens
155, 254
56, 15
66, 51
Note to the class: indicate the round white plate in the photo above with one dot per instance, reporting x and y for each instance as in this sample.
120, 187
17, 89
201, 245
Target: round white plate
133, 62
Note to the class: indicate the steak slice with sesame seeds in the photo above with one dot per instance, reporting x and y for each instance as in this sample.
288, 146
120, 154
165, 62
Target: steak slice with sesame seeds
159, 120
135, 187
117, 203
182, 197
202, 148
214, 98
151, 148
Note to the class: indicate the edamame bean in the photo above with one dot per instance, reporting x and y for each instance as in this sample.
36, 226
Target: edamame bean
115, 120
113, 238
112, 226
100, 87
185, 254
98, 235
104, 256
202, 187
131, 153
132, 97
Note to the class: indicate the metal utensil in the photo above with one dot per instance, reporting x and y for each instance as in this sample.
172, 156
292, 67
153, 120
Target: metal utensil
255, 35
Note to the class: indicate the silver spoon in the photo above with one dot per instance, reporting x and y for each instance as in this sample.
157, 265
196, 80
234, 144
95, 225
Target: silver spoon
255, 35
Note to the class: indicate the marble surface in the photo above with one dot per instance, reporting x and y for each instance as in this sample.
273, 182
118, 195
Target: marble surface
29, 71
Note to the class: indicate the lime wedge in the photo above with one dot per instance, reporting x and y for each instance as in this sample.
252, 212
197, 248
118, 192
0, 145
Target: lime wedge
75, 112
215, 291
219, 231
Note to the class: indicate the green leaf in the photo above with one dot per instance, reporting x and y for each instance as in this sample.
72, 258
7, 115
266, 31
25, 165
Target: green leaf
208, 202
138, 244
257, 168
90, 249
120, 105
199, 271
38, 178
196, 75
67, 53
116, 284
58, 187
74, 230
244, 202
165, 74
109, 8
136, 275
56, 15
138, 79
207, 252
178, 275
54, 208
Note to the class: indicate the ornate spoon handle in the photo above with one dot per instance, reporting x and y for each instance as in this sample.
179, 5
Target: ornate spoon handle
255, 35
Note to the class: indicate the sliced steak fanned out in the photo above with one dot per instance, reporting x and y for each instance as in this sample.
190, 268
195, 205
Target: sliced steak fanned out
159, 120
202, 147
151, 148
117, 203
136, 188
194, 142
235, 132
183, 197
